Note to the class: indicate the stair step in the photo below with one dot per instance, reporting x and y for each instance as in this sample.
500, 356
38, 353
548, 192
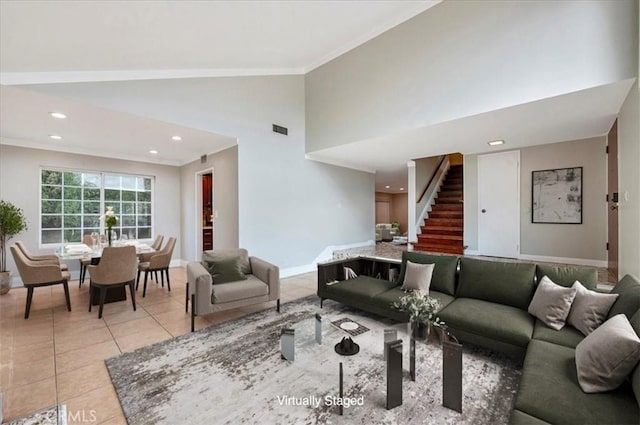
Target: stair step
453, 180
450, 206
450, 193
453, 186
446, 214
442, 230
444, 222
448, 200
438, 240
438, 248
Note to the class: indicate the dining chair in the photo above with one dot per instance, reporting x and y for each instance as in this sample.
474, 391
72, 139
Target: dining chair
50, 258
84, 262
117, 268
156, 245
39, 273
159, 261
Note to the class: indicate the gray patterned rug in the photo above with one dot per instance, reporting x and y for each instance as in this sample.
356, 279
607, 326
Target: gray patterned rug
56, 415
233, 373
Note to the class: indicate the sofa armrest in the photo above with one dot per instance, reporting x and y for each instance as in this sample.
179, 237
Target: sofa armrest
200, 284
268, 273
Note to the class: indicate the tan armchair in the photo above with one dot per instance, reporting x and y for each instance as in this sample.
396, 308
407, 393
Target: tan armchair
145, 257
262, 284
39, 273
117, 268
84, 262
157, 244
157, 261
52, 259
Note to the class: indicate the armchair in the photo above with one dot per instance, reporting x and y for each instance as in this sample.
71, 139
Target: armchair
262, 284
50, 258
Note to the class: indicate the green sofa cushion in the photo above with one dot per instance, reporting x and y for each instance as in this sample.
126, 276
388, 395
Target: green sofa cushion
444, 274
497, 281
521, 418
386, 298
226, 270
566, 275
549, 391
567, 336
361, 287
629, 300
496, 321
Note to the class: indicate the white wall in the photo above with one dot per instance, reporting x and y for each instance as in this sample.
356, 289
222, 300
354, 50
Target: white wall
20, 184
290, 209
629, 184
428, 69
584, 242
225, 202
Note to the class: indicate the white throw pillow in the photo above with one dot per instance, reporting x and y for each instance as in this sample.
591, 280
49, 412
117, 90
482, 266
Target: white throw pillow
551, 303
417, 277
607, 355
589, 308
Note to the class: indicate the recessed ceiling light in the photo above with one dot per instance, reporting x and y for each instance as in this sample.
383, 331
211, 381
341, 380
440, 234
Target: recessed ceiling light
402, 188
496, 142
176, 138
55, 137
58, 115
387, 187
153, 151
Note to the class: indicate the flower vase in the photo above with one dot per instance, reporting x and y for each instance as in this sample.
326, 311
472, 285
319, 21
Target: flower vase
109, 236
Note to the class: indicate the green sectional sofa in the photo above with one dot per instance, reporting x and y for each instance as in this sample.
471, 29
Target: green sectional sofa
485, 303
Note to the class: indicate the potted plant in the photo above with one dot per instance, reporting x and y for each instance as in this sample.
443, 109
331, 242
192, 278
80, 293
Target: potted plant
421, 309
12, 222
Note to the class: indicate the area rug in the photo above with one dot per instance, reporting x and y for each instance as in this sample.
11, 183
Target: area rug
233, 373
56, 415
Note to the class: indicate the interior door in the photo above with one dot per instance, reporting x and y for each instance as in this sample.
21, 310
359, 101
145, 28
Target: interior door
383, 212
612, 198
499, 204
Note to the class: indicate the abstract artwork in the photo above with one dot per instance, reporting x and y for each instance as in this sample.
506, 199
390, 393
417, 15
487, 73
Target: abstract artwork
557, 196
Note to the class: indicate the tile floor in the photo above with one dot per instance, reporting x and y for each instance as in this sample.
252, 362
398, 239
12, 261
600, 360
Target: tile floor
57, 357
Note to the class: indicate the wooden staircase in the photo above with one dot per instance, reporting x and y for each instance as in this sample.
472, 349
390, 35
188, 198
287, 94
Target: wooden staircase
443, 229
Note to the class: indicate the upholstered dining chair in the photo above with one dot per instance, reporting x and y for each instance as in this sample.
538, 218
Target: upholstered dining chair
117, 267
156, 245
39, 273
50, 258
84, 262
159, 261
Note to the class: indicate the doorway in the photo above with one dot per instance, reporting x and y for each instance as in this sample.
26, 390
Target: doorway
612, 200
204, 211
499, 204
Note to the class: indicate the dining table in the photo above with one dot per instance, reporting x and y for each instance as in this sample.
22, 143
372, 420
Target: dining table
81, 251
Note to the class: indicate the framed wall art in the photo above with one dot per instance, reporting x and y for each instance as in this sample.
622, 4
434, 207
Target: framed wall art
556, 196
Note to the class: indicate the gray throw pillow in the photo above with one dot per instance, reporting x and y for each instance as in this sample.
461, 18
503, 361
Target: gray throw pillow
418, 277
607, 355
589, 308
551, 303
226, 270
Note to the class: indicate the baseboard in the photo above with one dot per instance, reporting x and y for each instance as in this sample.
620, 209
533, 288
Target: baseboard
325, 255
565, 260
471, 252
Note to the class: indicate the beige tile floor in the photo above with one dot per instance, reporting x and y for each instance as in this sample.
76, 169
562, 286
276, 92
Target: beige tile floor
57, 357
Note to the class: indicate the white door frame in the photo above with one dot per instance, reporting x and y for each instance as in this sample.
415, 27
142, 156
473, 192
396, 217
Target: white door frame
198, 209
516, 154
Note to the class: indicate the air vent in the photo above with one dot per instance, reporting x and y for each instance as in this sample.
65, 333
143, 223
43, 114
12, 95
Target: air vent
279, 129
203, 159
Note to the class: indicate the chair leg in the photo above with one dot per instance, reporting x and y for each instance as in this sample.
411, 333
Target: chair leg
138, 280
186, 299
80, 279
155, 273
168, 283
278, 305
193, 312
90, 295
133, 294
161, 277
103, 297
144, 289
66, 294
27, 308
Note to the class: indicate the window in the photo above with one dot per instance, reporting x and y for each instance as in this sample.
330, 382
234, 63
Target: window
73, 201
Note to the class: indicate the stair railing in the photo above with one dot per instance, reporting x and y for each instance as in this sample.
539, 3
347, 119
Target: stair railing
430, 191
